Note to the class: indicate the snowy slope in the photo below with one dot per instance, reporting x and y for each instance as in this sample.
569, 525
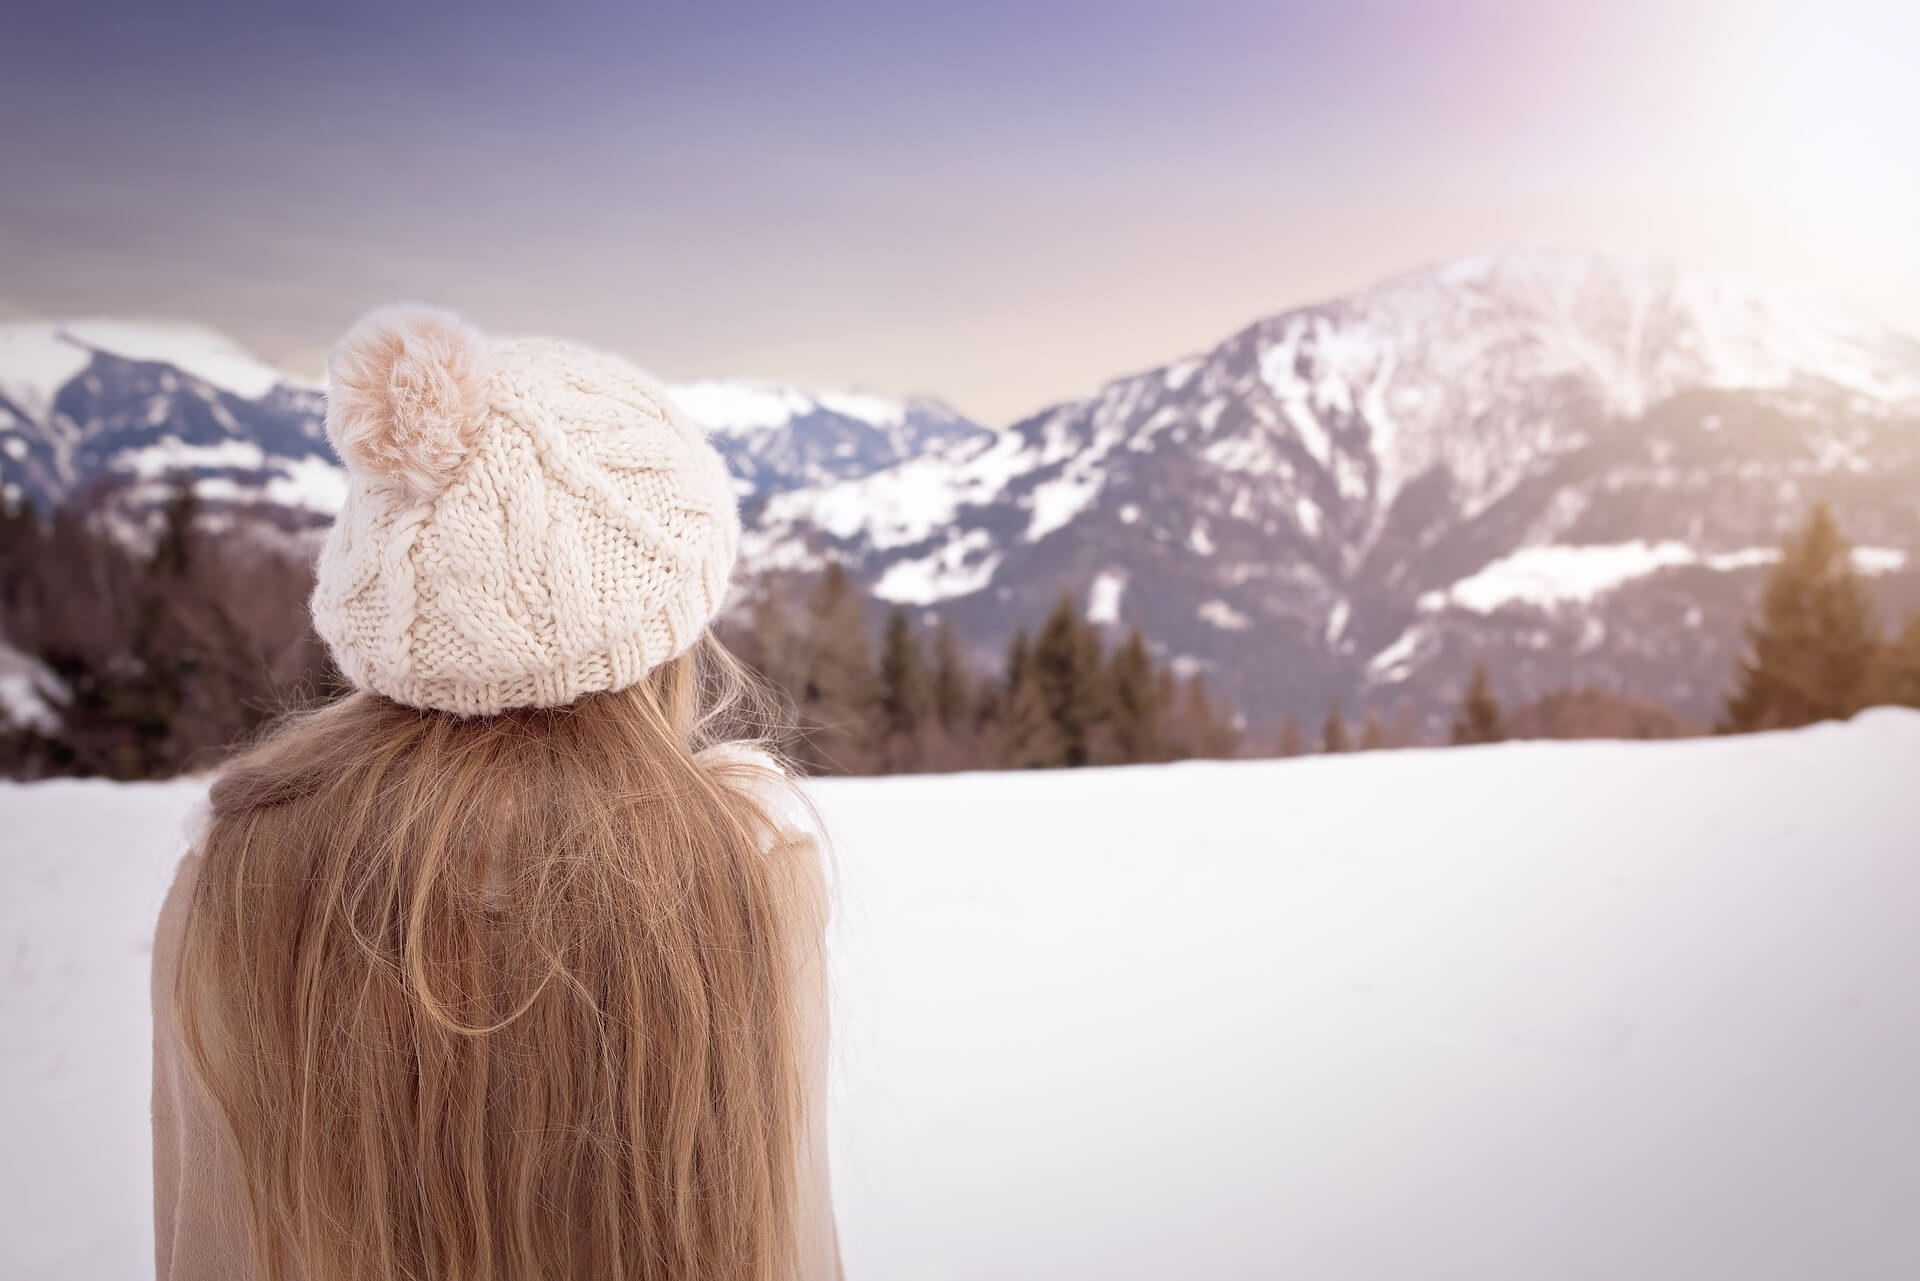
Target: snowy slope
143, 405
136, 407
775, 437
1231, 1020
1322, 504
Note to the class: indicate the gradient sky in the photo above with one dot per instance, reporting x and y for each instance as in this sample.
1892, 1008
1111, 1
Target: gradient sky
1002, 204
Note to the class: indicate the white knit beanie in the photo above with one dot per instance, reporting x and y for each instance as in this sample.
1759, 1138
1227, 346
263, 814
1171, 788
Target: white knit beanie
527, 520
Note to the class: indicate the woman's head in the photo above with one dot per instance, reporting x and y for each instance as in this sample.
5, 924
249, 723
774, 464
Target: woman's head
488, 971
527, 520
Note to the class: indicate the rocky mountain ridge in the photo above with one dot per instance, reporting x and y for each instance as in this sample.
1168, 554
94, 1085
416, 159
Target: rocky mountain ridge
1569, 467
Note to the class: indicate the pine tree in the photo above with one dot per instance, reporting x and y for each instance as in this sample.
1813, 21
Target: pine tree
1166, 698
1900, 668
173, 550
148, 695
988, 713
837, 703
1292, 743
1333, 734
906, 697
776, 647
1813, 652
25, 578
952, 692
1019, 654
1096, 698
166, 657
1134, 703
1401, 733
1204, 728
1479, 720
22, 543
1066, 665
1024, 734
1029, 736
766, 641
906, 686
1372, 736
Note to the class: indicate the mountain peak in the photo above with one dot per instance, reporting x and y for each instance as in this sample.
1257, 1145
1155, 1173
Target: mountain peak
38, 358
1302, 510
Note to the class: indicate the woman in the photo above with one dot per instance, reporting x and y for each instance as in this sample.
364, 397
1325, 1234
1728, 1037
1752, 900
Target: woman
505, 966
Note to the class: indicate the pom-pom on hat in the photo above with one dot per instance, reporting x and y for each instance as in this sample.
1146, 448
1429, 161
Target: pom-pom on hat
527, 520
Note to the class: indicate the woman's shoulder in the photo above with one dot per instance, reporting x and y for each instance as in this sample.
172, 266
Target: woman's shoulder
760, 773
169, 928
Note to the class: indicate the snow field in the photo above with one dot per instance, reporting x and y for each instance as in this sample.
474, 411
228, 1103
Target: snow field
1599, 1009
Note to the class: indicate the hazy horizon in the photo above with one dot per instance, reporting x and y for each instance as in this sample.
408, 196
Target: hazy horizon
1002, 207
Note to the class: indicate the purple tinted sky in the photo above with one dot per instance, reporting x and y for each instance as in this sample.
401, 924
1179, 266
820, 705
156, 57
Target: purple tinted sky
1000, 203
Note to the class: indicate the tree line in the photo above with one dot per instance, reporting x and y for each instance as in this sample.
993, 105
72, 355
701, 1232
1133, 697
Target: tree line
907, 701
164, 657
168, 654
1815, 651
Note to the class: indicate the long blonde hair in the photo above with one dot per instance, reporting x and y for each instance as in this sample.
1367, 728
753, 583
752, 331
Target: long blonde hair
505, 998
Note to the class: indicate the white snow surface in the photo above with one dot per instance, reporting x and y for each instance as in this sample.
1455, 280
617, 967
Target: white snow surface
30, 694
1557, 574
170, 453
734, 406
37, 358
1422, 353
958, 567
312, 483
36, 361
193, 349
897, 507
1104, 595
745, 405
1218, 613
1453, 1013
1057, 500
1485, 368
1395, 661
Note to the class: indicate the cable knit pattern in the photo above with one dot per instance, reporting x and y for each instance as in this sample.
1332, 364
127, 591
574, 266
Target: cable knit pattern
585, 536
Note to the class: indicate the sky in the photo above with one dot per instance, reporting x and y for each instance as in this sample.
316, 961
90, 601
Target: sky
1001, 204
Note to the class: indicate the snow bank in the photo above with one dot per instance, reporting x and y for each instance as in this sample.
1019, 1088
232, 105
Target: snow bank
1540, 1010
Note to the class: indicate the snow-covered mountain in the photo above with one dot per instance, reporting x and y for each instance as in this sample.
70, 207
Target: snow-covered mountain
137, 406
142, 406
777, 438
1570, 467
